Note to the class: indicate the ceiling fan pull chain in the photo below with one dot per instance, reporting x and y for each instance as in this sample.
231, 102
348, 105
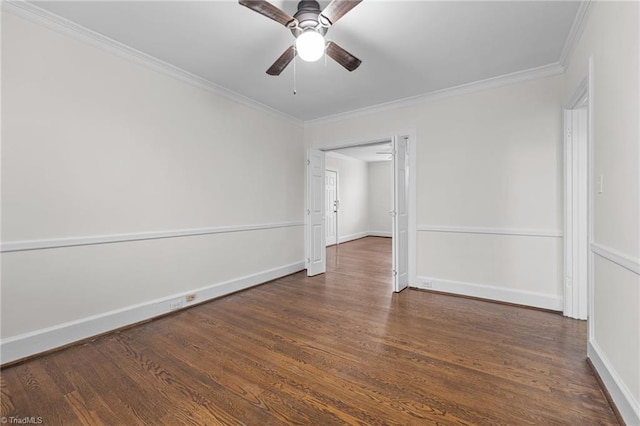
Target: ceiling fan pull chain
294, 71
325, 55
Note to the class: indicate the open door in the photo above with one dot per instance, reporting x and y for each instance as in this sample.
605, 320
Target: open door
331, 205
316, 247
400, 214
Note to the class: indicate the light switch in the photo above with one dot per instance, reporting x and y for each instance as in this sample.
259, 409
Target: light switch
600, 184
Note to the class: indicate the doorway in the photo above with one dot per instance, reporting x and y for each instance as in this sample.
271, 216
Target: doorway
400, 150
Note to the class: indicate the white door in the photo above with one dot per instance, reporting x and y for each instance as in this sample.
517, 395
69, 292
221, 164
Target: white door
400, 214
316, 248
331, 205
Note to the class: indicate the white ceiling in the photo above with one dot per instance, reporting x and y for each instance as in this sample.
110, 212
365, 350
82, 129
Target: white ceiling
368, 153
407, 48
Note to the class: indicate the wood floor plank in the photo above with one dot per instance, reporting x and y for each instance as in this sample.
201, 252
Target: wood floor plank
338, 348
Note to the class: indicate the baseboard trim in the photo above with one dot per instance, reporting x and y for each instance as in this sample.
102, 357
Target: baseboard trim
351, 237
501, 294
625, 404
386, 234
26, 345
357, 236
606, 393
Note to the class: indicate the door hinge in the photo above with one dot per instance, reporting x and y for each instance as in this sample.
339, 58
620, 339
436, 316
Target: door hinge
308, 260
395, 273
308, 162
308, 212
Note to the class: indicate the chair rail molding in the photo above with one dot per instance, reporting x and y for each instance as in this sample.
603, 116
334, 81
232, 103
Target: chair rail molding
14, 246
526, 232
619, 258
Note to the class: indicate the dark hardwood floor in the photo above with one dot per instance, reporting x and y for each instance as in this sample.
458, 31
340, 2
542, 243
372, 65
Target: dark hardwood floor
332, 349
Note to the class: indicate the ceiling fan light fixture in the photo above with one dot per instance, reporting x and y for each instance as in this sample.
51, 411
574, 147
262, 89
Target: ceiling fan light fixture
310, 45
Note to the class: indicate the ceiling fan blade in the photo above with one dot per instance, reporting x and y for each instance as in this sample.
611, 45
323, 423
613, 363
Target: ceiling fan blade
270, 11
281, 63
342, 57
338, 8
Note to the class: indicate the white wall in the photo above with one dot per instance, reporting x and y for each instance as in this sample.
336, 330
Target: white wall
364, 191
488, 161
380, 202
95, 146
353, 212
611, 37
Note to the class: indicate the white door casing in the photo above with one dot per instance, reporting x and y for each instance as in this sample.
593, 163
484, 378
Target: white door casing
316, 247
400, 213
410, 248
331, 206
577, 231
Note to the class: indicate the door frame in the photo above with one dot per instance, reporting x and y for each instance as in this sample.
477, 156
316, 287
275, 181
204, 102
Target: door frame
578, 202
411, 133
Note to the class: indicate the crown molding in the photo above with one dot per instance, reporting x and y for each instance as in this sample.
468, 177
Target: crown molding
575, 32
463, 89
62, 25
50, 20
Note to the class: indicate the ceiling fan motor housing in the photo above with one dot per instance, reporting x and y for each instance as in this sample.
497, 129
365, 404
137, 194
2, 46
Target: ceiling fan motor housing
308, 25
308, 17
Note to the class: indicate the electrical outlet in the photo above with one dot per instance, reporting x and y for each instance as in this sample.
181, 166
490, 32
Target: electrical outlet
176, 304
191, 297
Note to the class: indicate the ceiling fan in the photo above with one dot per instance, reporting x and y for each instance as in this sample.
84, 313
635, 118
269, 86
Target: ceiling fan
309, 26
